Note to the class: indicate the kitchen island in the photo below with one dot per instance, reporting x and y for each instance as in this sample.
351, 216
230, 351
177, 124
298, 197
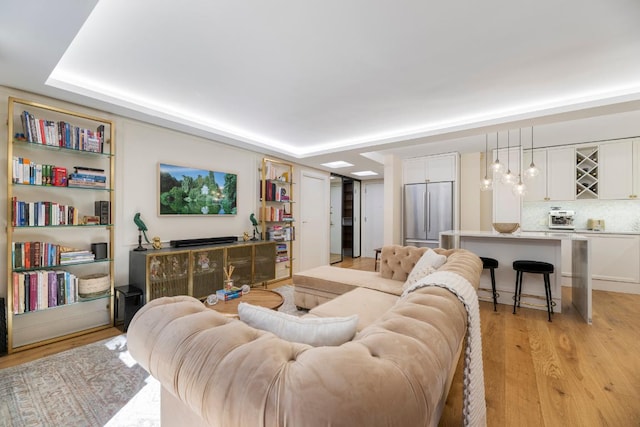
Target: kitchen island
535, 246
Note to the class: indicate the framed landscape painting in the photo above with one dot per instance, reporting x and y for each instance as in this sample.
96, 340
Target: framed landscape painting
189, 191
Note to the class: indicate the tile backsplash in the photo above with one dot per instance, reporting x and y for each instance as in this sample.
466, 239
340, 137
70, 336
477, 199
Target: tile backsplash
618, 215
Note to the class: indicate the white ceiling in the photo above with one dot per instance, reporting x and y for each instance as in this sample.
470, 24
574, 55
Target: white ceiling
320, 81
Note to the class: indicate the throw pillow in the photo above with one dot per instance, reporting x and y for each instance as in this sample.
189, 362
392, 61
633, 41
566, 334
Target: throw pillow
315, 331
427, 264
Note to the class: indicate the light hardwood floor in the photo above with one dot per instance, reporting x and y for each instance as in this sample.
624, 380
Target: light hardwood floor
563, 373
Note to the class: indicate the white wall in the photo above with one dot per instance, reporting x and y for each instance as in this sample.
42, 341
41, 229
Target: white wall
139, 148
470, 175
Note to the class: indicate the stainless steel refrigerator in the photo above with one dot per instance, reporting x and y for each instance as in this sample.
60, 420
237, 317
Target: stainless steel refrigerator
428, 210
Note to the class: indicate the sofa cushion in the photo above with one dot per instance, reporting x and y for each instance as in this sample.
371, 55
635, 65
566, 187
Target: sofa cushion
339, 280
368, 304
396, 262
429, 262
328, 331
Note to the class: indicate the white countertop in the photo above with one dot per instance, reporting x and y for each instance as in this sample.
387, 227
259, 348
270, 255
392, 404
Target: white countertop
585, 231
539, 235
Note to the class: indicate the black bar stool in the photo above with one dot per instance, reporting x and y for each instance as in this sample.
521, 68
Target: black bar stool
535, 267
491, 264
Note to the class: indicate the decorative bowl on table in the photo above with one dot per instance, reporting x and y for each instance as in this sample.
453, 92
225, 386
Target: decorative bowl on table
505, 227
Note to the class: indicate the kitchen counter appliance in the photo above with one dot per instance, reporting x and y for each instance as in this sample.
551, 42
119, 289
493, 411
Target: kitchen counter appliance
561, 219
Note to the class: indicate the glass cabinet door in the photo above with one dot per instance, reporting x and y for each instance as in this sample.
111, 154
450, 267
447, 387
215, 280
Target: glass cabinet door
207, 267
168, 275
264, 263
240, 258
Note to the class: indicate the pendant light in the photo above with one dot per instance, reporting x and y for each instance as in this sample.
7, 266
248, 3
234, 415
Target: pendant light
486, 183
496, 166
508, 178
520, 189
532, 171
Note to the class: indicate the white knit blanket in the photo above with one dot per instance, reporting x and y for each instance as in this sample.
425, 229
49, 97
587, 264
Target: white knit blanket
474, 406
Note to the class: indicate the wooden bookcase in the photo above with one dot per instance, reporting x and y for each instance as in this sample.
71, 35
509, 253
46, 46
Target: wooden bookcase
48, 213
276, 212
198, 271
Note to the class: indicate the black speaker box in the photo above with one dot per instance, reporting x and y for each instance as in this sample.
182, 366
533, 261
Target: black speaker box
99, 250
103, 211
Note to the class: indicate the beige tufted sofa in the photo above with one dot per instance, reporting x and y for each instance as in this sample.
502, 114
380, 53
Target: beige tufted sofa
321, 284
396, 371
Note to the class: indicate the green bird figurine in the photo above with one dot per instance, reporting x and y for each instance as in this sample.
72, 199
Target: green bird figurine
141, 226
254, 221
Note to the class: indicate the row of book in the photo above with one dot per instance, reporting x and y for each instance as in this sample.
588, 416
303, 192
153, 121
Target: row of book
62, 134
27, 172
43, 289
274, 213
279, 233
32, 214
275, 192
43, 254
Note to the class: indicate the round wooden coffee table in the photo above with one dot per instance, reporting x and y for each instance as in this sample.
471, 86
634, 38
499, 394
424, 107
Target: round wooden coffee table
261, 297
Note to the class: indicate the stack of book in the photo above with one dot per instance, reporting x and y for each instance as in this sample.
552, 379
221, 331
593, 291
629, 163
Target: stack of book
87, 178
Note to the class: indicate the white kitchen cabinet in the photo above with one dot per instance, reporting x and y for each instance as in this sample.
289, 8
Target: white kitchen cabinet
560, 177
537, 186
556, 179
615, 257
618, 164
430, 169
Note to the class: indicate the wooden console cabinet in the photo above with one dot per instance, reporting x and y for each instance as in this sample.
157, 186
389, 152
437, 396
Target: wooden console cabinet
199, 271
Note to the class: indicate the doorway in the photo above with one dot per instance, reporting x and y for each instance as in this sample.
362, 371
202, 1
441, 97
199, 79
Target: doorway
335, 220
345, 229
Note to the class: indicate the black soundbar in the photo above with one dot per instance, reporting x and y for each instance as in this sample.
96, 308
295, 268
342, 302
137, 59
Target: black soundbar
203, 241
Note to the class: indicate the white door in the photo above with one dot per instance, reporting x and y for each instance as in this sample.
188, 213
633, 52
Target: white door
373, 218
314, 220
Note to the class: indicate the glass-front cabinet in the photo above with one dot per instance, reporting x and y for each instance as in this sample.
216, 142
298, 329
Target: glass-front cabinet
200, 271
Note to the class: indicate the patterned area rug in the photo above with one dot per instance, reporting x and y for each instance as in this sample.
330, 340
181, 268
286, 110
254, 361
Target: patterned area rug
95, 385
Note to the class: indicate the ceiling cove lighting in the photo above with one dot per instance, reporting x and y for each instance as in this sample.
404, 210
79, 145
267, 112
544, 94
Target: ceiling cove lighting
486, 183
364, 173
337, 164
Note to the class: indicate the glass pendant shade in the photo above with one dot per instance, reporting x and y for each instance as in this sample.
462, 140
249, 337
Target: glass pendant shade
519, 189
508, 178
532, 171
497, 167
486, 183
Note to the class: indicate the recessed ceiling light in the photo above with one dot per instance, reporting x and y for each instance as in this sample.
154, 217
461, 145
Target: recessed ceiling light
364, 173
337, 164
